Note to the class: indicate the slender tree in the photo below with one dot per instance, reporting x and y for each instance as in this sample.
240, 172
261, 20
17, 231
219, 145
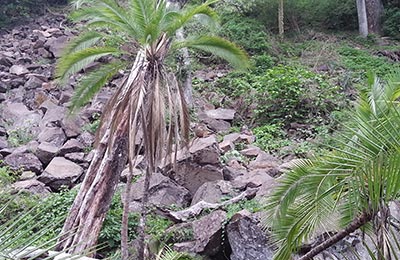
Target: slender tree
148, 101
354, 183
280, 19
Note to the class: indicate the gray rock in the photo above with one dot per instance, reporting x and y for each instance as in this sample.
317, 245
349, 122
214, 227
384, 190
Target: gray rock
213, 192
60, 172
72, 126
251, 151
76, 157
18, 70
23, 161
27, 175
86, 138
46, 152
221, 113
192, 175
32, 186
163, 192
71, 146
56, 45
265, 161
33, 83
247, 240
54, 135
3, 87
6, 61
3, 143
53, 115
208, 233
256, 179
2, 97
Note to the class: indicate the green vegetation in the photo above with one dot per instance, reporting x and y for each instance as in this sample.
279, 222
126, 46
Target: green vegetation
12, 11
348, 186
19, 136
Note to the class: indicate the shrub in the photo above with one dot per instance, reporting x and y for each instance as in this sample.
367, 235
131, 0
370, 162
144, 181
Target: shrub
391, 25
360, 61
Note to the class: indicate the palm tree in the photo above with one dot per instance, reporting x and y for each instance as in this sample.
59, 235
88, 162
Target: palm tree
353, 184
148, 101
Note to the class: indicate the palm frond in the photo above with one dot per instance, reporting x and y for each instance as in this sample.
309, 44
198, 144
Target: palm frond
187, 14
219, 47
166, 253
83, 41
92, 83
71, 64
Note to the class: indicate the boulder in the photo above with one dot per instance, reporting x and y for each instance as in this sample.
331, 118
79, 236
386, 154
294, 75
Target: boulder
46, 152
71, 146
265, 161
33, 83
247, 240
54, 135
213, 192
76, 157
251, 151
3, 143
32, 186
163, 192
56, 45
60, 172
192, 175
221, 114
255, 179
18, 70
208, 233
27, 175
24, 161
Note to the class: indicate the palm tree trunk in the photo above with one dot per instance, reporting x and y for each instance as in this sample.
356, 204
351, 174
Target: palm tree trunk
280, 20
93, 200
353, 226
143, 216
362, 18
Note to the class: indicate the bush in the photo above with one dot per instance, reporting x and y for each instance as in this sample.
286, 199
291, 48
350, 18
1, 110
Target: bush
391, 24
282, 95
361, 62
13, 10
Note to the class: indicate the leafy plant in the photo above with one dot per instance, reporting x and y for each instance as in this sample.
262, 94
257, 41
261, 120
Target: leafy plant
349, 187
270, 137
361, 62
19, 136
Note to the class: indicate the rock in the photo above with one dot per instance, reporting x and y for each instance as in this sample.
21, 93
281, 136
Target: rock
46, 152
3, 143
86, 138
264, 161
254, 179
221, 113
201, 143
6, 61
71, 146
23, 161
76, 157
60, 172
213, 192
3, 131
33, 83
217, 125
54, 135
2, 97
247, 240
53, 114
208, 233
233, 138
192, 175
32, 186
226, 146
251, 151
72, 127
20, 118
234, 170
18, 70
56, 45
3, 87
27, 175
163, 192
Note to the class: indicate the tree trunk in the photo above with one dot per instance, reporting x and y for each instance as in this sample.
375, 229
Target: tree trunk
94, 198
353, 226
374, 9
281, 25
362, 18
